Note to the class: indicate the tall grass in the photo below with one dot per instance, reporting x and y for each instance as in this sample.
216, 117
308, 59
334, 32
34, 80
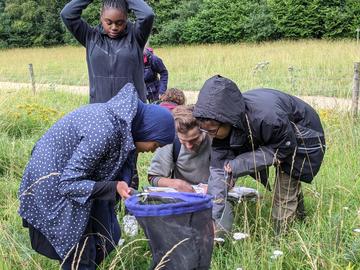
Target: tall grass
326, 240
302, 68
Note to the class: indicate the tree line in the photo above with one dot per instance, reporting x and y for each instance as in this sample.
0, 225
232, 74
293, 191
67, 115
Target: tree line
27, 23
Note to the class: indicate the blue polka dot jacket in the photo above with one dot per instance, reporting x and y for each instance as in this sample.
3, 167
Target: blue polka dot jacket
86, 146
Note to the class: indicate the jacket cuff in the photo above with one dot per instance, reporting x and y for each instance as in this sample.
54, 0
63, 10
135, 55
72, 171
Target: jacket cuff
154, 180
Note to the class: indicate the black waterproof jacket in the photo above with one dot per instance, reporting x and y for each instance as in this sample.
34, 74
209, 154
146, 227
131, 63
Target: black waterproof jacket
112, 62
268, 126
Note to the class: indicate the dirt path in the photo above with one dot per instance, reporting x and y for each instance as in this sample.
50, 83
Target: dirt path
319, 102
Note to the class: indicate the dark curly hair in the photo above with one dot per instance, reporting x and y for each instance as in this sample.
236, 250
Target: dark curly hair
174, 95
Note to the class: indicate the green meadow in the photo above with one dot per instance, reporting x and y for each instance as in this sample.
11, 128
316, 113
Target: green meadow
326, 240
304, 67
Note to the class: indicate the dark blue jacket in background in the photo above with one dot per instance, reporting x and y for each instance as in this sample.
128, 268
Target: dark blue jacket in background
112, 62
152, 70
89, 145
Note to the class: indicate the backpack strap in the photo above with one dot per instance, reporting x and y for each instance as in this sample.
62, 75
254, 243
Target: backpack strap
148, 54
176, 149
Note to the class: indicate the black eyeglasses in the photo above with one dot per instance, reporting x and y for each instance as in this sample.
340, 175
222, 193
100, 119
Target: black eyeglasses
211, 132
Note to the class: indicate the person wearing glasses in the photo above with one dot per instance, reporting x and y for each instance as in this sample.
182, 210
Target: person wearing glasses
180, 167
253, 131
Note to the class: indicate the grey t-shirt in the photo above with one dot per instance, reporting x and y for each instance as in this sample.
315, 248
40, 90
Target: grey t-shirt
192, 167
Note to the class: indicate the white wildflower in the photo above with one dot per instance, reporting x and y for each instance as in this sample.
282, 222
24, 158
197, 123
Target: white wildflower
240, 236
219, 240
121, 242
276, 254
131, 226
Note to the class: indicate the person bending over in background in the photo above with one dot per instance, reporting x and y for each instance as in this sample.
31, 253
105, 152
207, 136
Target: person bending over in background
185, 162
253, 131
114, 49
172, 98
155, 75
77, 171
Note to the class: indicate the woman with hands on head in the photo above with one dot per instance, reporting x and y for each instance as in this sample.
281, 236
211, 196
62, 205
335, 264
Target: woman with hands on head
114, 49
77, 171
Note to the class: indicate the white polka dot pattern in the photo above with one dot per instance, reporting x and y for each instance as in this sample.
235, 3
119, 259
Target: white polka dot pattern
87, 145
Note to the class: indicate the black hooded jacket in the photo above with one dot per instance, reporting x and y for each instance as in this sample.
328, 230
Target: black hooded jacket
267, 126
112, 62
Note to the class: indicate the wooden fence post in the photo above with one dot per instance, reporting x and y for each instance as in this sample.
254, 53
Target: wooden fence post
355, 92
32, 77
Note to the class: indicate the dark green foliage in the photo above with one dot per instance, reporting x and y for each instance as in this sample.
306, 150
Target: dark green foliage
164, 11
31, 23
4, 26
260, 25
297, 19
172, 17
92, 13
337, 23
219, 21
228, 21
315, 18
353, 7
25, 23
2, 6
49, 30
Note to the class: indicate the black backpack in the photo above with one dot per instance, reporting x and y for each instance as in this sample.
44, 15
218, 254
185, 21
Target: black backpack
148, 54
